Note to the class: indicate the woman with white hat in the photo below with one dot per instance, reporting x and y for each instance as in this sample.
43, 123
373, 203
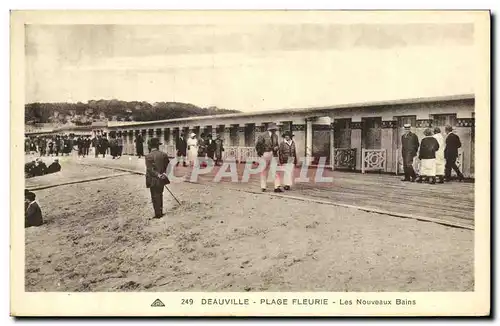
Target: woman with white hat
192, 145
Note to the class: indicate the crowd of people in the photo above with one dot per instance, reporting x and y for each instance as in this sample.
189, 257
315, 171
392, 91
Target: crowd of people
188, 150
37, 168
193, 148
57, 145
64, 145
437, 155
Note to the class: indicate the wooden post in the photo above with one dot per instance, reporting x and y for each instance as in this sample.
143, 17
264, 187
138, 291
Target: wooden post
332, 143
309, 144
363, 160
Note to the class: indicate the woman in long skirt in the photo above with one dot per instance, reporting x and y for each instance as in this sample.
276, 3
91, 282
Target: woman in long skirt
440, 161
219, 148
427, 155
192, 145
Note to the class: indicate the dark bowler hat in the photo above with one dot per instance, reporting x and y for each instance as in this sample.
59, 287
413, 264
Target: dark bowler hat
288, 133
155, 142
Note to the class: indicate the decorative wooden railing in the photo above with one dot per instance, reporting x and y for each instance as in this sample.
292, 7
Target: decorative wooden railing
239, 154
344, 158
373, 160
170, 150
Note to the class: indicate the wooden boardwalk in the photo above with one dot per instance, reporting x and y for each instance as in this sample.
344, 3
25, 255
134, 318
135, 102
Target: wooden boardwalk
452, 203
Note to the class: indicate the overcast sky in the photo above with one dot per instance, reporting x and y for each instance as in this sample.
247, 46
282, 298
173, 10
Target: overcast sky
248, 67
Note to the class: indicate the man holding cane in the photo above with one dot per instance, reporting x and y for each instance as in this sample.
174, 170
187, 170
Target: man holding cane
156, 175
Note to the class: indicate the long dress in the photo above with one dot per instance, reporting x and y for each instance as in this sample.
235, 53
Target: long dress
192, 153
219, 148
440, 161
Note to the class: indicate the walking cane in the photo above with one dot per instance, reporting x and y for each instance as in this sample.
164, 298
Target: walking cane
173, 195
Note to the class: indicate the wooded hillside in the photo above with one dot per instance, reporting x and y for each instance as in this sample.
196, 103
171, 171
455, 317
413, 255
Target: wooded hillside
113, 110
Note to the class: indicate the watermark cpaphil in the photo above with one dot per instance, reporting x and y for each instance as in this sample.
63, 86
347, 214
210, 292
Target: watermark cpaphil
252, 166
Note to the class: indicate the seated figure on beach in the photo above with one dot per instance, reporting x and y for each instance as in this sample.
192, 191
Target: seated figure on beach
54, 167
35, 168
32, 213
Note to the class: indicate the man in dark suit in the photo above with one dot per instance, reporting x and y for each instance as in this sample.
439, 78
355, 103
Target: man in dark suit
32, 211
210, 147
156, 175
181, 146
139, 145
410, 144
451, 153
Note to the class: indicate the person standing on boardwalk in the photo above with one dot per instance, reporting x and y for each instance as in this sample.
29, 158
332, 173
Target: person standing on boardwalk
210, 147
87, 143
202, 146
181, 147
113, 146
104, 146
268, 148
42, 145
288, 158
440, 161
81, 146
427, 156
27, 145
409, 142
453, 143
156, 175
149, 145
51, 146
219, 148
139, 145
119, 141
192, 147
67, 145
59, 145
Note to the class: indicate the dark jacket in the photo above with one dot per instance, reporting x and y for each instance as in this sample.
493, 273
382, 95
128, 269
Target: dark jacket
31, 169
287, 152
219, 148
181, 146
139, 145
452, 145
202, 147
53, 168
409, 143
33, 215
265, 144
210, 147
428, 148
156, 164
104, 144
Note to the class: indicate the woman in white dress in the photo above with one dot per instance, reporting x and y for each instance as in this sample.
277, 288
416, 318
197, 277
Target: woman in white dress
440, 161
192, 146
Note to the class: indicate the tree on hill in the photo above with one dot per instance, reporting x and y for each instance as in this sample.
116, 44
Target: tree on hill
96, 110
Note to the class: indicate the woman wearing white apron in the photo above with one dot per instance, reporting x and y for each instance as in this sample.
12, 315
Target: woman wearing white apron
440, 161
427, 155
192, 145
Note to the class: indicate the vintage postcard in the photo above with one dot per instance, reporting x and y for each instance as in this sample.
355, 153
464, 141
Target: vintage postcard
250, 163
